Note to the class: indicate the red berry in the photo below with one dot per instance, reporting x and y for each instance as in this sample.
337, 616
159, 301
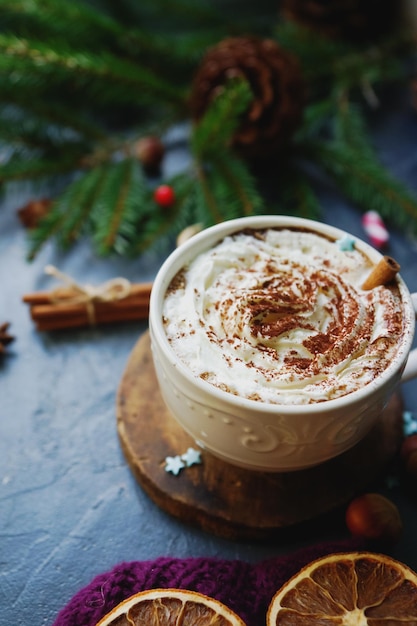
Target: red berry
164, 195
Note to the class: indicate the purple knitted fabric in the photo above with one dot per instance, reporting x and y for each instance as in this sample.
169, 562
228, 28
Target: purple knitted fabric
244, 587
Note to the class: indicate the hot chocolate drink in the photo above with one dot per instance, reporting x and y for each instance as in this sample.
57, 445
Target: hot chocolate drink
279, 315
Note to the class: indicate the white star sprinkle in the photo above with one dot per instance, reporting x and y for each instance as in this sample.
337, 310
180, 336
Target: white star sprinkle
174, 464
191, 457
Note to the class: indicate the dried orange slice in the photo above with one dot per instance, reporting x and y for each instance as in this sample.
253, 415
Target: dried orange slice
350, 589
170, 607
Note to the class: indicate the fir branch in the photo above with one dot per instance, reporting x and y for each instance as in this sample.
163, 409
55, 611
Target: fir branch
364, 180
76, 205
316, 54
154, 223
114, 214
69, 216
298, 195
215, 130
105, 75
44, 110
329, 64
69, 70
18, 128
236, 185
83, 28
51, 20
316, 118
226, 189
350, 128
23, 166
207, 209
47, 228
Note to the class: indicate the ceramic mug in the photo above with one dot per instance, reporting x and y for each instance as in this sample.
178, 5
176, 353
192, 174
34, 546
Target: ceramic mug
258, 435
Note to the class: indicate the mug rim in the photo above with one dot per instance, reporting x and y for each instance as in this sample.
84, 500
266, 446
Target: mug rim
204, 240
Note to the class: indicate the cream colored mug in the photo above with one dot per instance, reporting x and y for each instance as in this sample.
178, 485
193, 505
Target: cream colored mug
259, 435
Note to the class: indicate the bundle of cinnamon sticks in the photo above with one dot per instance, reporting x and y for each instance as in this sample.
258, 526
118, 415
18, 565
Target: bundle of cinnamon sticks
64, 308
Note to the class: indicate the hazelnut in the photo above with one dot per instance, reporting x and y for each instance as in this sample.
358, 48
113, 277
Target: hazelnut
150, 152
373, 516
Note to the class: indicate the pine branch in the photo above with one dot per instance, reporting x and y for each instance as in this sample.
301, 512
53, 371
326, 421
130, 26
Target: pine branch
51, 20
207, 209
104, 76
23, 166
225, 189
69, 216
236, 186
215, 130
154, 223
76, 205
298, 196
350, 128
316, 54
73, 73
83, 28
48, 227
44, 110
114, 213
367, 183
329, 64
18, 128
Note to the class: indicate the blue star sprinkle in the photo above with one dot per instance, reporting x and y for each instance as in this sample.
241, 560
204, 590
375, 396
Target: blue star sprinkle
191, 457
174, 464
409, 423
346, 244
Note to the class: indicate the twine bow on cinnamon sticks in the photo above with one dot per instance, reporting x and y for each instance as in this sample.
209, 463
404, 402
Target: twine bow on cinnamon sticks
75, 305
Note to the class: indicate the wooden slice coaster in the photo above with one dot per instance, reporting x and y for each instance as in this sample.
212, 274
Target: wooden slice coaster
224, 499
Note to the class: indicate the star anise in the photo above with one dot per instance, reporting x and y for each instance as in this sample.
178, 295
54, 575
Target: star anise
5, 338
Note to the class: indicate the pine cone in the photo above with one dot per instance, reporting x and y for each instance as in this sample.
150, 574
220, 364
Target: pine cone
359, 21
275, 78
5, 338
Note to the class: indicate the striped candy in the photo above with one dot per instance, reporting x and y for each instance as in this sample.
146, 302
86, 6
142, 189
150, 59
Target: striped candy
375, 229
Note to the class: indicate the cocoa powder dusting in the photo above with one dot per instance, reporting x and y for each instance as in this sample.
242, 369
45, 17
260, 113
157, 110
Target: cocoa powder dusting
290, 322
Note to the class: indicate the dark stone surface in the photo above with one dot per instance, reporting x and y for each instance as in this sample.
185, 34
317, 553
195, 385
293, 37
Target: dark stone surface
70, 507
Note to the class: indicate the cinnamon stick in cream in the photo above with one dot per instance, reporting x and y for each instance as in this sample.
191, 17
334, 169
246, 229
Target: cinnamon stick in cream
382, 274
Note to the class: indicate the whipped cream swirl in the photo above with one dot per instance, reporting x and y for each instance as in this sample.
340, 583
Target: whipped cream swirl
278, 315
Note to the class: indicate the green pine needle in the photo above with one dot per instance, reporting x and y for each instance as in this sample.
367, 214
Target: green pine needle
22, 165
225, 190
106, 76
298, 196
365, 181
215, 130
76, 205
116, 206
